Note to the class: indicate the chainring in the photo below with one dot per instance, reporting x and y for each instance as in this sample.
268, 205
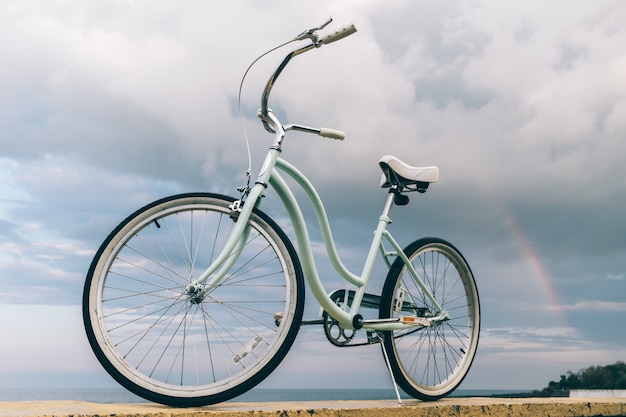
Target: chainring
335, 334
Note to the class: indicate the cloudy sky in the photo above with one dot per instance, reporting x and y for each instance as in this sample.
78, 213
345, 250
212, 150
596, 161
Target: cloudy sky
106, 106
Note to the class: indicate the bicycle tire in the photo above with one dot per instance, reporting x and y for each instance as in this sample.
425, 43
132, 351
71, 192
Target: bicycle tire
430, 362
168, 347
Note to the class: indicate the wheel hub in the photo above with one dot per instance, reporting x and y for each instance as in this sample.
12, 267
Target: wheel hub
196, 294
439, 320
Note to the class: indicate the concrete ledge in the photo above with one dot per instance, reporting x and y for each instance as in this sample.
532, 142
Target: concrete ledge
498, 407
597, 393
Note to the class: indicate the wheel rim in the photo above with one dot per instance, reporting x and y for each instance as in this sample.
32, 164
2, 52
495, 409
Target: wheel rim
161, 338
434, 360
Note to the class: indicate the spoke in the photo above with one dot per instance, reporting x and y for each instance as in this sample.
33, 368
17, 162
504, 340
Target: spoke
234, 274
141, 268
175, 242
132, 293
140, 317
129, 309
228, 331
169, 342
199, 242
161, 319
208, 343
232, 311
207, 319
217, 234
154, 258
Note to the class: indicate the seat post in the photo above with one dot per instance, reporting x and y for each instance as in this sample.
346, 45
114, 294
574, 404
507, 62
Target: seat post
389, 203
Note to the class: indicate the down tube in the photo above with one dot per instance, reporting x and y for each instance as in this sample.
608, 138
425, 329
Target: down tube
304, 245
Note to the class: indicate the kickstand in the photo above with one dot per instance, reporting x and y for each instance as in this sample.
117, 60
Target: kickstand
393, 380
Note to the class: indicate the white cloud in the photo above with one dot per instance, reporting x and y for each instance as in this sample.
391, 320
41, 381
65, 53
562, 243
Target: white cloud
107, 106
615, 277
596, 306
529, 338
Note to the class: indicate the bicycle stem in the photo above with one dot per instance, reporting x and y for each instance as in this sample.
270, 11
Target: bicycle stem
264, 112
316, 42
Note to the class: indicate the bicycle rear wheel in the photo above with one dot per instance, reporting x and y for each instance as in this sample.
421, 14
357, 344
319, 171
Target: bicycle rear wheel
430, 362
182, 349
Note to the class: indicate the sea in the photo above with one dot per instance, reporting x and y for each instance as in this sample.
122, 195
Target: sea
121, 396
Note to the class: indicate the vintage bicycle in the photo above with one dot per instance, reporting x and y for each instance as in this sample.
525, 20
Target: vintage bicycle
196, 298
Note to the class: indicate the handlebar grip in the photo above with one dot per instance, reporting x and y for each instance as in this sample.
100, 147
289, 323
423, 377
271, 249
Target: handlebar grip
338, 34
332, 133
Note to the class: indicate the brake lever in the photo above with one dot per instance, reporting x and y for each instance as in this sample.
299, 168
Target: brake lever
312, 34
330, 19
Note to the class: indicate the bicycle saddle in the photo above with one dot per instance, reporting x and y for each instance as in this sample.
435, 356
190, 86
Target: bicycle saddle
396, 172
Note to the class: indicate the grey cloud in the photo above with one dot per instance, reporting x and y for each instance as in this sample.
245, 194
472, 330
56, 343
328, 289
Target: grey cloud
107, 107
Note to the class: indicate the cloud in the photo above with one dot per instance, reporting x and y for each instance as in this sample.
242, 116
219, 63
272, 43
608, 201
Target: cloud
64, 211
596, 306
528, 338
106, 107
543, 354
615, 277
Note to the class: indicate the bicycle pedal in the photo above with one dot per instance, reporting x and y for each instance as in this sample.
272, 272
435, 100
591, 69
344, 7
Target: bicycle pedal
247, 349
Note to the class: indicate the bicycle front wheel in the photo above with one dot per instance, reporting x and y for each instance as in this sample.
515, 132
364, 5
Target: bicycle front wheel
430, 362
182, 348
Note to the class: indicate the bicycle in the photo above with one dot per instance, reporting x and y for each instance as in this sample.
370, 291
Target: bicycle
196, 298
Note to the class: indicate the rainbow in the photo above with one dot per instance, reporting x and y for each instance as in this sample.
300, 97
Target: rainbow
532, 260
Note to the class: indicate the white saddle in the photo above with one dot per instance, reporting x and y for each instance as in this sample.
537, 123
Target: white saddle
396, 172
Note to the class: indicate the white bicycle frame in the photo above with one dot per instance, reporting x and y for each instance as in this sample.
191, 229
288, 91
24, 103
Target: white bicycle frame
349, 319
269, 175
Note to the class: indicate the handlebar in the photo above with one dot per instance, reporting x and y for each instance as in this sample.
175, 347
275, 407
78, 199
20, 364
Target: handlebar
316, 42
338, 34
322, 131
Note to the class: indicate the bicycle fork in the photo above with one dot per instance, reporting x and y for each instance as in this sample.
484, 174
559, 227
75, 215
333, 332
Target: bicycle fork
240, 213
198, 289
